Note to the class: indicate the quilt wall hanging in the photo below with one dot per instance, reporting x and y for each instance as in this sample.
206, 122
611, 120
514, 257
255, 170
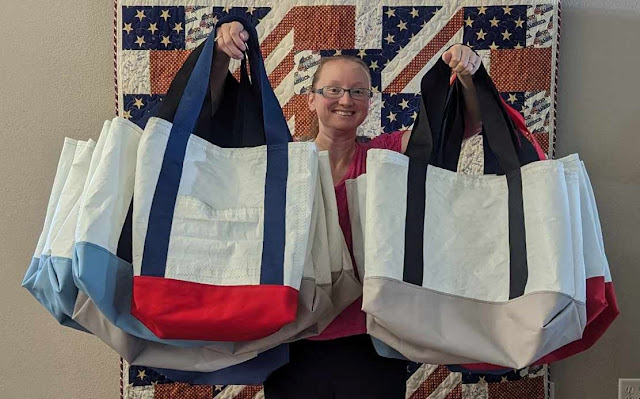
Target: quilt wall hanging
399, 40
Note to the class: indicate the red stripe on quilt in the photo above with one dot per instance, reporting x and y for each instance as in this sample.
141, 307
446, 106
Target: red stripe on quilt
427, 53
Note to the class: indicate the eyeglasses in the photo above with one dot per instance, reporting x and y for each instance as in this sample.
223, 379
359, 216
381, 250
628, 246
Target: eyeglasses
337, 92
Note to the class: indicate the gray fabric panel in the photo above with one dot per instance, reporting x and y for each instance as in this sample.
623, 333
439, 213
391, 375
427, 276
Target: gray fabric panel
313, 304
313, 307
346, 290
414, 353
138, 351
512, 334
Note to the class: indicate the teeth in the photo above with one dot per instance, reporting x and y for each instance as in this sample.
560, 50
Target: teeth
343, 113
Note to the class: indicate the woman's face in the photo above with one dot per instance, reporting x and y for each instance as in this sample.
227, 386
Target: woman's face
344, 113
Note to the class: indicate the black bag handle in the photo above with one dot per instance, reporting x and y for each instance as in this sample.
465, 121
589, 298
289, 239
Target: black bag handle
439, 132
238, 120
444, 104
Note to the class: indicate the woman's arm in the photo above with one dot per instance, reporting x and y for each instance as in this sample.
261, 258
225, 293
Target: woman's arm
472, 119
230, 42
219, 68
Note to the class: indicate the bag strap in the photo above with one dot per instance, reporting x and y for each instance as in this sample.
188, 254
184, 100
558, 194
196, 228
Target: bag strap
275, 125
440, 107
419, 150
277, 137
237, 121
497, 126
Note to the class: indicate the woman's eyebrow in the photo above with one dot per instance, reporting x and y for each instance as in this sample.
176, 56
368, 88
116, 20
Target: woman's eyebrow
358, 84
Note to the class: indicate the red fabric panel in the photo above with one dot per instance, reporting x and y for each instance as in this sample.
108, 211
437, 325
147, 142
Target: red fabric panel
175, 309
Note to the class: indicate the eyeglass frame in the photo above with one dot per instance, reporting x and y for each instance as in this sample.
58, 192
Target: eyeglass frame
321, 91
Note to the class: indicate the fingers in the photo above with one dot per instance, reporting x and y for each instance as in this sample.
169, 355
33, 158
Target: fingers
446, 57
456, 53
463, 65
462, 60
476, 65
221, 44
227, 39
237, 33
230, 39
474, 62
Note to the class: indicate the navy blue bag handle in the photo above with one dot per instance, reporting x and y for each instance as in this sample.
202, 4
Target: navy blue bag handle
237, 112
275, 125
277, 137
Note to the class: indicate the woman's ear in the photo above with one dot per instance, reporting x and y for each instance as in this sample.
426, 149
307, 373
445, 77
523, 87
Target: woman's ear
310, 100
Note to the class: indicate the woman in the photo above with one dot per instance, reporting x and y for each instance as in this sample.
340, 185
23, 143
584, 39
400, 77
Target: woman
341, 362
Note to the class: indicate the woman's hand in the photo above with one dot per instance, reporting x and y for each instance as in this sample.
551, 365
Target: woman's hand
231, 38
462, 60
465, 62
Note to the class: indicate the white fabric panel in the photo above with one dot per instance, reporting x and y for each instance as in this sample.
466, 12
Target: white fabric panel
301, 187
224, 178
97, 153
149, 162
70, 194
466, 224
548, 227
218, 222
594, 264
62, 172
217, 231
571, 173
108, 196
214, 246
387, 203
331, 211
63, 244
596, 217
320, 253
309, 271
356, 196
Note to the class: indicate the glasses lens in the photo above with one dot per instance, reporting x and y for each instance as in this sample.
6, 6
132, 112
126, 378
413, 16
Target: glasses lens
360, 94
332, 91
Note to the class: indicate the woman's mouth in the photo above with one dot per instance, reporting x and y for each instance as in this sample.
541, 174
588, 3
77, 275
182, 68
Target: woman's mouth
343, 113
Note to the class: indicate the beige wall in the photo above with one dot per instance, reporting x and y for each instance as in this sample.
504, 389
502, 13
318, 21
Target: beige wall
56, 81
599, 112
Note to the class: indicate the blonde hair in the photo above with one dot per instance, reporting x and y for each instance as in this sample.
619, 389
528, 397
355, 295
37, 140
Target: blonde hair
315, 123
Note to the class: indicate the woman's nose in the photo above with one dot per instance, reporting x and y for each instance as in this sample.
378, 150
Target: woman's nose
345, 99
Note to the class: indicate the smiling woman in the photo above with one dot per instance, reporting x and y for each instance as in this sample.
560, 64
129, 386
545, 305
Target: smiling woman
341, 362
355, 106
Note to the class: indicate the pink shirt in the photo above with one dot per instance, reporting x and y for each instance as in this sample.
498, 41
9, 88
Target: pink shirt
352, 320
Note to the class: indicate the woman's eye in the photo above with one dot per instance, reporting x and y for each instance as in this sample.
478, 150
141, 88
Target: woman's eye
358, 92
333, 90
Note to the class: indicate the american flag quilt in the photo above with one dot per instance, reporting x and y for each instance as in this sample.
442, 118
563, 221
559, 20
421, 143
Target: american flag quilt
424, 381
399, 40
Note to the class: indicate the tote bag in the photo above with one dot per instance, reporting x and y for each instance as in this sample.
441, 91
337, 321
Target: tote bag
49, 276
220, 234
481, 275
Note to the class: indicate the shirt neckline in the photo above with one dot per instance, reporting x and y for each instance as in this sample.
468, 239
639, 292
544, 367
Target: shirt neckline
352, 166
